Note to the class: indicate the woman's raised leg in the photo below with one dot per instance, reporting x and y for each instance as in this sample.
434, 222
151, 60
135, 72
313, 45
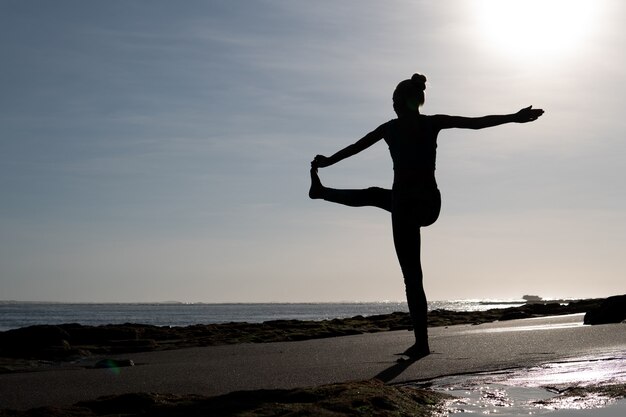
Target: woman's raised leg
373, 196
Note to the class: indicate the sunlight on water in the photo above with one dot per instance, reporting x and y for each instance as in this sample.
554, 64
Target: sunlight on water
585, 371
581, 374
550, 326
562, 389
500, 400
21, 314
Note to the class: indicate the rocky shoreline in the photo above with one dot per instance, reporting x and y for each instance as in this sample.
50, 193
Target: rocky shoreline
71, 341
29, 348
357, 398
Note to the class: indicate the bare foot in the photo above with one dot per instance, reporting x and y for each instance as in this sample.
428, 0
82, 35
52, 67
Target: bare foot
417, 351
317, 189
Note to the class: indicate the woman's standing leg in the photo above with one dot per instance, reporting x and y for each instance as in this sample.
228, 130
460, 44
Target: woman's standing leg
407, 241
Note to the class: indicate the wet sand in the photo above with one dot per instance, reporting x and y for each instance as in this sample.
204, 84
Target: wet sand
305, 371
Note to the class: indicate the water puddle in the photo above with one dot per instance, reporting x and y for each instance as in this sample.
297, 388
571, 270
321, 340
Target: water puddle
506, 401
529, 328
569, 388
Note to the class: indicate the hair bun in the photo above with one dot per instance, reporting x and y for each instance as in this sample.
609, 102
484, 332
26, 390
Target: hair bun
419, 80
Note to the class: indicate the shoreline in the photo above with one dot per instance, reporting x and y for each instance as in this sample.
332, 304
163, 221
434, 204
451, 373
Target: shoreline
310, 371
356, 398
353, 375
71, 341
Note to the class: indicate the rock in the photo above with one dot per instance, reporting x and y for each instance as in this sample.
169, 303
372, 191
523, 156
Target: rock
97, 335
355, 398
546, 309
612, 310
582, 306
515, 315
133, 345
43, 341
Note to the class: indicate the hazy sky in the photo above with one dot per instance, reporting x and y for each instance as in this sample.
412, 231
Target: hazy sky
157, 150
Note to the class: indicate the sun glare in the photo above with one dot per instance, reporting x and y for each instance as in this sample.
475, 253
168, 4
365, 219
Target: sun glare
531, 29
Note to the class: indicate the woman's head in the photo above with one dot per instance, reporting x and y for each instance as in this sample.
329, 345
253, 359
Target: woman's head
409, 95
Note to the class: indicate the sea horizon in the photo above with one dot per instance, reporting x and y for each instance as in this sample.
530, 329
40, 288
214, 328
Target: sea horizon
230, 302
16, 314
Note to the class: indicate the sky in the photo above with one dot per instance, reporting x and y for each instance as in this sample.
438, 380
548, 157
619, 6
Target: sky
159, 151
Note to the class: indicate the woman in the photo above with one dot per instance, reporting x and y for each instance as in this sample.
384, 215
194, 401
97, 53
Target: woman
414, 200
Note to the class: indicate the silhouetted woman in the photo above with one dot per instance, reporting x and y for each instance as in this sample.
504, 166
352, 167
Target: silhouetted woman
414, 200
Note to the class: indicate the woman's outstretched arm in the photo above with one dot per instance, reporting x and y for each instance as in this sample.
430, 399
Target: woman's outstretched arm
525, 115
321, 161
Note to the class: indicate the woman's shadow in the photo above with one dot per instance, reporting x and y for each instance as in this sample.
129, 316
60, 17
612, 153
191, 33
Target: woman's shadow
396, 369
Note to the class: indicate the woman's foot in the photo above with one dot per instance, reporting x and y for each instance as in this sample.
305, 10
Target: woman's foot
317, 189
417, 351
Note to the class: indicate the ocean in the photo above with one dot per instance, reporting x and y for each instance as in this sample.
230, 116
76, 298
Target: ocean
14, 314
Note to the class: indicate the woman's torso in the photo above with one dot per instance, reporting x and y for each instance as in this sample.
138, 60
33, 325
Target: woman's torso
412, 144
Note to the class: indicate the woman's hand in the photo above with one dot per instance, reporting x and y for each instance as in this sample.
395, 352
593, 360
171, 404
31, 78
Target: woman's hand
320, 161
527, 114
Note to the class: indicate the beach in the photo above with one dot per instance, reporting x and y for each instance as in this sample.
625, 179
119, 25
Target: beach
355, 374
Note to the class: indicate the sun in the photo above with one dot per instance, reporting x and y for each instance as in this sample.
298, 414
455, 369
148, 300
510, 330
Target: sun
529, 29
